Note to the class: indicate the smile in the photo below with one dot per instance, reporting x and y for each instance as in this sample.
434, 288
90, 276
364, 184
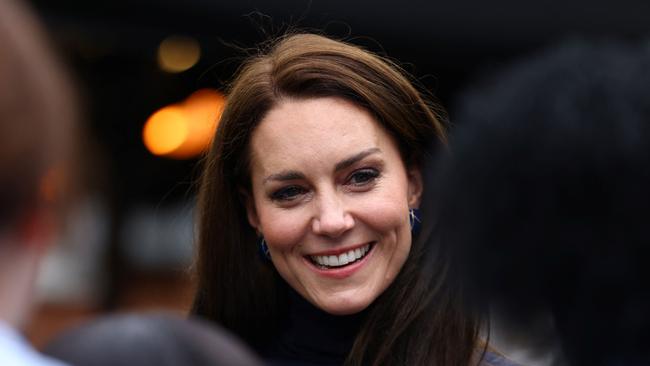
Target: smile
341, 260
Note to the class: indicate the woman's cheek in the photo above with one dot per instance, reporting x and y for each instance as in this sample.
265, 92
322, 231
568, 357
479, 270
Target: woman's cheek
384, 213
283, 229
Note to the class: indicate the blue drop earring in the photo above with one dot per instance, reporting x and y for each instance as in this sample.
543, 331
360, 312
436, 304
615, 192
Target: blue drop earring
264, 249
414, 219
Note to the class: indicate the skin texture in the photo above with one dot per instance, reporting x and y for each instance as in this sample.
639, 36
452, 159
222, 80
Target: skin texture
306, 201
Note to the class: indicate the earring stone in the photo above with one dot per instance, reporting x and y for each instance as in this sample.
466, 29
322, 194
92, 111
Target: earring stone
264, 249
414, 219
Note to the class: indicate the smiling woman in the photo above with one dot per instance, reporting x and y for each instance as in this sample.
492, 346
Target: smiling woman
317, 160
343, 188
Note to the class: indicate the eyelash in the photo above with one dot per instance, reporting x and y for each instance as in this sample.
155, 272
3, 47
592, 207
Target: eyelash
287, 193
369, 174
358, 179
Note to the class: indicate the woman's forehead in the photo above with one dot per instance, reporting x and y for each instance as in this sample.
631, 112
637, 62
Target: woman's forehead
309, 131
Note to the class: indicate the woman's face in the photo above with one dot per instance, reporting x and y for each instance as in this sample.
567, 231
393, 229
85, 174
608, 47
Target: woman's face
331, 194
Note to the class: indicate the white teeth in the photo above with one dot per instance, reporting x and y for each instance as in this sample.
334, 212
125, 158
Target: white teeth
342, 259
334, 260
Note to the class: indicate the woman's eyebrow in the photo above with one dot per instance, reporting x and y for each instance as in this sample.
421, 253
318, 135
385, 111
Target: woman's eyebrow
284, 176
353, 159
288, 175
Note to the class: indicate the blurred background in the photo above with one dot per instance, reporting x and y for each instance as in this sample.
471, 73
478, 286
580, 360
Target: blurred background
151, 75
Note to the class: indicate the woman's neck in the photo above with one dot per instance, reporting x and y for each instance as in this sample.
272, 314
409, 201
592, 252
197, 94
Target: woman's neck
310, 335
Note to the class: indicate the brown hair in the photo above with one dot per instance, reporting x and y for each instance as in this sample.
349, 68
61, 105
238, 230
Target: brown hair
411, 322
36, 115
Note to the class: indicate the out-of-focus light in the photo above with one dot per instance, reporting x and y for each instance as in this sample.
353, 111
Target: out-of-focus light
165, 130
203, 109
178, 53
198, 115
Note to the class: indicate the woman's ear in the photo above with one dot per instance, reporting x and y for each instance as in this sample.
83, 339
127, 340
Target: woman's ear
414, 176
251, 213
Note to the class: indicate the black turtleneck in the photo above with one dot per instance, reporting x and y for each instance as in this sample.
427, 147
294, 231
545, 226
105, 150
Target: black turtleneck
310, 336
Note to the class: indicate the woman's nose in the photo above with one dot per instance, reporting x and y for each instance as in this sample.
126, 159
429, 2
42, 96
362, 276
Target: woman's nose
332, 218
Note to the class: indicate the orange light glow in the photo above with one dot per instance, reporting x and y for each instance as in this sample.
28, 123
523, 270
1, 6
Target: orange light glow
165, 130
178, 53
184, 130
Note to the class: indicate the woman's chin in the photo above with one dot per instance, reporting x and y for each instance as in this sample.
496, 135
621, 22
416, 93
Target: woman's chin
342, 305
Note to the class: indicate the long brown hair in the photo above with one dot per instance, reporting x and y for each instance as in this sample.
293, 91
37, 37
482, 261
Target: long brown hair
413, 321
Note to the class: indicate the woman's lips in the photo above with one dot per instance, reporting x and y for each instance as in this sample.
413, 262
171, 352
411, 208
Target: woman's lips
342, 265
333, 260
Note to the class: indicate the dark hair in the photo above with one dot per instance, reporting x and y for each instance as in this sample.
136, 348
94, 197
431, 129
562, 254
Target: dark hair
547, 196
244, 294
155, 339
36, 114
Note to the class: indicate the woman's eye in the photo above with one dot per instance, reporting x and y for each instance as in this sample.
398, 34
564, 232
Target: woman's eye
287, 193
363, 177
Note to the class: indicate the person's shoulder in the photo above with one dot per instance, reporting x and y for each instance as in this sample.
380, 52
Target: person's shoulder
492, 358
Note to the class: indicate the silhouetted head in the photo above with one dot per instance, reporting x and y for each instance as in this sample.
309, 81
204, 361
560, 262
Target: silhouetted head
546, 196
139, 340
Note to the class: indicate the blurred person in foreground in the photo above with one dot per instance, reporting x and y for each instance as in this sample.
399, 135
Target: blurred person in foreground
153, 339
36, 129
546, 197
